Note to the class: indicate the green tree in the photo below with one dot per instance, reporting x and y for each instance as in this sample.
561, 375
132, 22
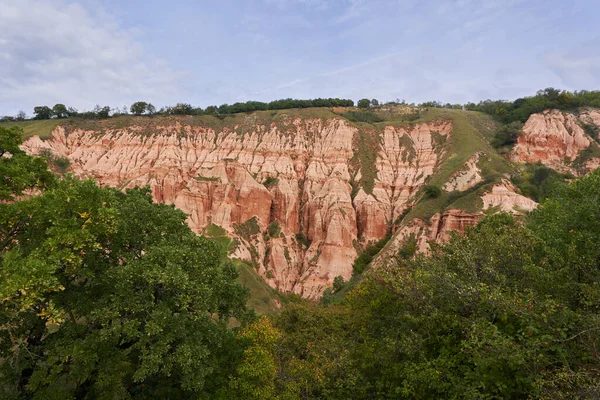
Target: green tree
42, 112
255, 376
138, 108
19, 172
569, 222
364, 103
21, 116
60, 111
106, 294
374, 102
150, 109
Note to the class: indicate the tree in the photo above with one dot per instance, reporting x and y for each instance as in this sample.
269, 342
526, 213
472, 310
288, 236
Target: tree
374, 102
106, 294
60, 111
101, 112
181, 109
72, 112
42, 112
21, 116
150, 109
139, 108
364, 103
19, 172
255, 376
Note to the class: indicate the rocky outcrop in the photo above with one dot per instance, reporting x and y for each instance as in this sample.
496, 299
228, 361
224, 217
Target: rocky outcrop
297, 173
438, 230
467, 177
551, 137
504, 197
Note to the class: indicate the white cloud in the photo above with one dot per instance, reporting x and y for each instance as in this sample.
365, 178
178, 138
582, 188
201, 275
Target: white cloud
55, 51
579, 67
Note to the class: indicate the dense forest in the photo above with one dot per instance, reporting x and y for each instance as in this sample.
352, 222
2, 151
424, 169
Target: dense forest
105, 294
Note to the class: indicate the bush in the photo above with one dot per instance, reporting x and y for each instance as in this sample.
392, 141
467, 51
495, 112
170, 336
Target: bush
364, 103
271, 181
507, 135
274, 229
431, 192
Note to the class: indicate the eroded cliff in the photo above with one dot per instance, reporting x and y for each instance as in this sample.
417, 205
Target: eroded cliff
292, 193
301, 195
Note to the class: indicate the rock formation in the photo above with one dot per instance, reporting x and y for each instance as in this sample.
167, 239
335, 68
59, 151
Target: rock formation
551, 137
300, 196
299, 174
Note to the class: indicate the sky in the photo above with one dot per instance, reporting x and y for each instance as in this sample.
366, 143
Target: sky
116, 52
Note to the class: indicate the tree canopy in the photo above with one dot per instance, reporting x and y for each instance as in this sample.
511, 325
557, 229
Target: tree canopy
104, 294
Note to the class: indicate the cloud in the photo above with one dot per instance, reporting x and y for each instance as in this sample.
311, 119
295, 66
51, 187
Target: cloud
578, 67
55, 51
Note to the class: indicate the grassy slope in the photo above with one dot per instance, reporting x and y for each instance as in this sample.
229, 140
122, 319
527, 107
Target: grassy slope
30, 128
262, 297
466, 139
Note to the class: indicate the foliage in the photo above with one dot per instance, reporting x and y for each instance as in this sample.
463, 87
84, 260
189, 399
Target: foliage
60, 111
270, 182
338, 283
42, 112
504, 311
141, 107
106, 294
255, 376
431, 192
300, 238
549, 98
507, 135
274, 229
19, 171
366, 256
537, 181
248, 228
364, 103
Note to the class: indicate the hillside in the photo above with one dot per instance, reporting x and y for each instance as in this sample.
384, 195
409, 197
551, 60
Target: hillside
301, 193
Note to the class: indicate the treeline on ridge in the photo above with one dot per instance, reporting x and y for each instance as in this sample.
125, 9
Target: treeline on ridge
502, 110
145, 108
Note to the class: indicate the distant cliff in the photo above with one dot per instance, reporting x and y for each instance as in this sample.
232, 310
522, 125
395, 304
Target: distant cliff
302, 192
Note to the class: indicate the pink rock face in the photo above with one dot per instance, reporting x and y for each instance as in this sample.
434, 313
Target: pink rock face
298, 174
406, 159
551, 137
437, 231
504, 197
467, 177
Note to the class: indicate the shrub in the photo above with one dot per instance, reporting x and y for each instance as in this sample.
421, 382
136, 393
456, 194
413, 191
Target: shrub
431, 192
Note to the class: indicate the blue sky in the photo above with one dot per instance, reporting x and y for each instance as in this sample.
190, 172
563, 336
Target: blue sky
115, 52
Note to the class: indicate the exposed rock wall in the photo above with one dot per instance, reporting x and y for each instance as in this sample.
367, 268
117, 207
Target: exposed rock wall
438, 230
299, 174
551, 137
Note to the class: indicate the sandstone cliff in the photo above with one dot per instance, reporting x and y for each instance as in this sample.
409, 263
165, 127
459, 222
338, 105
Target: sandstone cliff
300, 195
299, 177
557, 139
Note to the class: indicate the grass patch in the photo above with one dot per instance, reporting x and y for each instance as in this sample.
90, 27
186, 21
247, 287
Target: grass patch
263, 298
248, 228
42, 128
366, 147
274, 229
362, 116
